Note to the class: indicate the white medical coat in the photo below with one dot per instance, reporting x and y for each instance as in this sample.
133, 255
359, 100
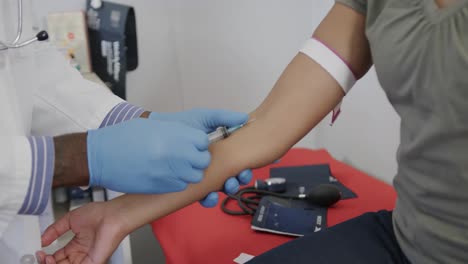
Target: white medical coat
40, 94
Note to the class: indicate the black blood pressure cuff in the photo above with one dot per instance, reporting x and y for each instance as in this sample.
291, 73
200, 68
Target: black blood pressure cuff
113, 43
296, 217
300, 179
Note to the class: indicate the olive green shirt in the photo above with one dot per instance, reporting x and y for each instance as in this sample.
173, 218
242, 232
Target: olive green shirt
420, 54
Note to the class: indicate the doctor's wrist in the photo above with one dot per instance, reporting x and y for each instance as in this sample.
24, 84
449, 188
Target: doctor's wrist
71, 161
145, 114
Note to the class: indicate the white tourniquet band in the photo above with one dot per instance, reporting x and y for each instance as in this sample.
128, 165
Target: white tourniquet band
333, 64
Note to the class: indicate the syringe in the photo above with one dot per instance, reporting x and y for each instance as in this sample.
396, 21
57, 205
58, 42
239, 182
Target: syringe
223, 132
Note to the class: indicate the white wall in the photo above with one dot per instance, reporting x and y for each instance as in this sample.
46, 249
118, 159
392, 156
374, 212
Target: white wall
230, 53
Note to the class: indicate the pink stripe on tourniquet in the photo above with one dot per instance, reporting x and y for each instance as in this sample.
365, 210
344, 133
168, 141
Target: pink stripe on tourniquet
338, 55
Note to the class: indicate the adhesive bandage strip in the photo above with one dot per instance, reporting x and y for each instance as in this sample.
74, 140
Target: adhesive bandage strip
330, 61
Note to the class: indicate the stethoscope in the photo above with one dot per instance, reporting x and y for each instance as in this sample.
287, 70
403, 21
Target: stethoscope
41, 36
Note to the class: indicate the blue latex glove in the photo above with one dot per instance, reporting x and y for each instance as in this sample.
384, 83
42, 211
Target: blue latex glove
208, 120
147, 156
231, 186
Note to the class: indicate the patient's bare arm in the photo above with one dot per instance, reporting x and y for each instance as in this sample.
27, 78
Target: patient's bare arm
301, 98
303, 95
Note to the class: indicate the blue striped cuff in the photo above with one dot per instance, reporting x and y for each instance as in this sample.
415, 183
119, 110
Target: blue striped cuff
40, 184
120, 113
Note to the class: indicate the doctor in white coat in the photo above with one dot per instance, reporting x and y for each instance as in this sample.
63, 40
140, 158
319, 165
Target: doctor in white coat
57, 129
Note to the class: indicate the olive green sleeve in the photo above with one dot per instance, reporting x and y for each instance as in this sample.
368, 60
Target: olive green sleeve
358, 5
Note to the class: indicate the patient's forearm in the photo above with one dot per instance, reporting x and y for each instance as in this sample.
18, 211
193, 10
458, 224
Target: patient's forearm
301, 98
303, 95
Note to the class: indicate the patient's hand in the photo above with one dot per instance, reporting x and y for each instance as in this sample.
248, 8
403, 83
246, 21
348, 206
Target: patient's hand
99, 228
98, 232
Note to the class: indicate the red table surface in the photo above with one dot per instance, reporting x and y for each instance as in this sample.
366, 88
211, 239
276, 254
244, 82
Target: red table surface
199, 235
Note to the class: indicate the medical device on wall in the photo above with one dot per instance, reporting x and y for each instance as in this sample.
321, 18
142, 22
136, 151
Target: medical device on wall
41, 36
112, 31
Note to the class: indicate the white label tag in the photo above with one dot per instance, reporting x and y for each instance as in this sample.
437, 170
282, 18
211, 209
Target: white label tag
243, 258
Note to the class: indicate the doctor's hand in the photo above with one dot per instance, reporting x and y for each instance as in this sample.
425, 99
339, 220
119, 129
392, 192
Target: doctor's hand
97, 235
208, 120
231, 186
147, 156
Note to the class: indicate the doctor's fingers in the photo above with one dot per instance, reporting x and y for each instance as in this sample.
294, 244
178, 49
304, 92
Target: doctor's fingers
55, 230
217, 118
245, 177
198, 159
231, 186
198, 138
210, 201
188, 174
